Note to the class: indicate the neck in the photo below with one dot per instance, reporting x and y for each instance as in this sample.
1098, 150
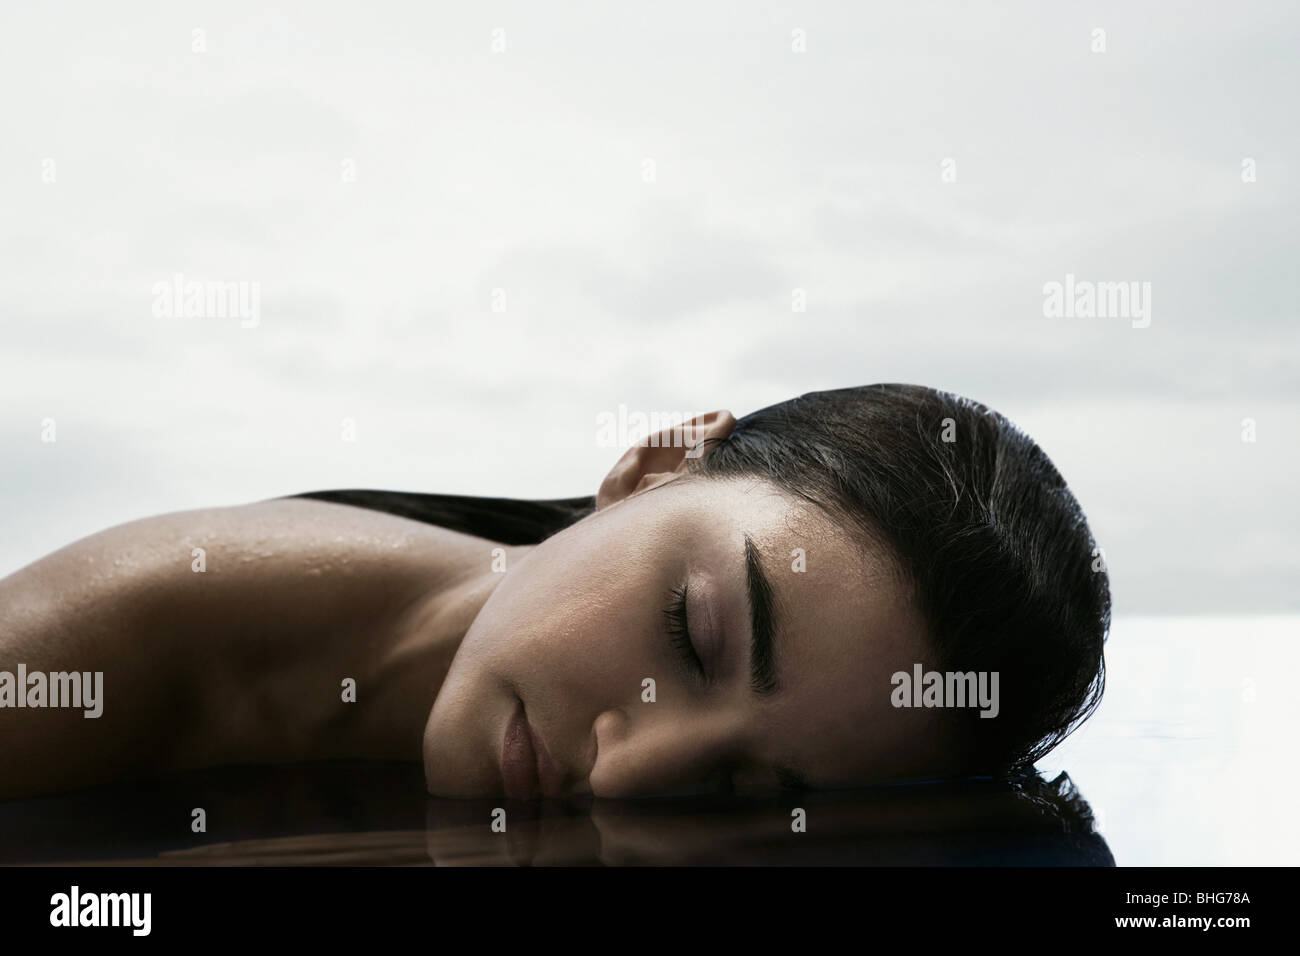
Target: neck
413, 663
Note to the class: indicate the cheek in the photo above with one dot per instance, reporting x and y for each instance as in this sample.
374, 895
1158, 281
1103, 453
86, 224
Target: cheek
570, 629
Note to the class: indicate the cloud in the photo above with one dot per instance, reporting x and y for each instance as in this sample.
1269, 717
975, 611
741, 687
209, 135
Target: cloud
775, 172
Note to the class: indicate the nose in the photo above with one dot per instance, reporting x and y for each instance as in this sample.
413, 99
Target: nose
656, 749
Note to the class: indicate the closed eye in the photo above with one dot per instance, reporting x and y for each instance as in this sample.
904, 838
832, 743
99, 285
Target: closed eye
679, 632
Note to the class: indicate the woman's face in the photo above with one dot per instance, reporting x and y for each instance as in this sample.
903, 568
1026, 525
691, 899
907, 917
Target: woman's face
628, 692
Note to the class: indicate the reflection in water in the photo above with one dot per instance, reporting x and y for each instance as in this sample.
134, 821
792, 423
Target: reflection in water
367, 813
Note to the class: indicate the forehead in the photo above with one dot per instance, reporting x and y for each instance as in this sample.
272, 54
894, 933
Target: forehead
845, 622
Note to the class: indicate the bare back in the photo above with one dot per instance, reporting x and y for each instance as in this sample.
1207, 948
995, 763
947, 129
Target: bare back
226, 636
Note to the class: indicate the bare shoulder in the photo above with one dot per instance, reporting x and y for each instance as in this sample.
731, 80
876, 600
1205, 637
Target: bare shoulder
273, 541
210, 618
241, 536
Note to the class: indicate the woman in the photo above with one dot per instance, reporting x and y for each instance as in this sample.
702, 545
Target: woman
745, 611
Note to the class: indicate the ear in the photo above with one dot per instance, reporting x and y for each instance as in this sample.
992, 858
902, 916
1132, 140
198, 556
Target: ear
663, 456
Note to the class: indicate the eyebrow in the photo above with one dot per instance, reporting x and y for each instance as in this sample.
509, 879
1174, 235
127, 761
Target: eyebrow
763, 677
762, 656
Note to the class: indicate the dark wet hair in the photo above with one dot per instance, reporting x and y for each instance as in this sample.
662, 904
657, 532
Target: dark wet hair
981, 525
504, 520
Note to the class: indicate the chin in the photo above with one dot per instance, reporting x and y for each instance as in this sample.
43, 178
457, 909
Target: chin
458, 761
441, 778
426, 753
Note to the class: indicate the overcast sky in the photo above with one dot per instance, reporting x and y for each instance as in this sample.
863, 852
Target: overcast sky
648, 186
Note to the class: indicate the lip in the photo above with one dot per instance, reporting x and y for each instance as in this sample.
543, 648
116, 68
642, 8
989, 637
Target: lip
526, 768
